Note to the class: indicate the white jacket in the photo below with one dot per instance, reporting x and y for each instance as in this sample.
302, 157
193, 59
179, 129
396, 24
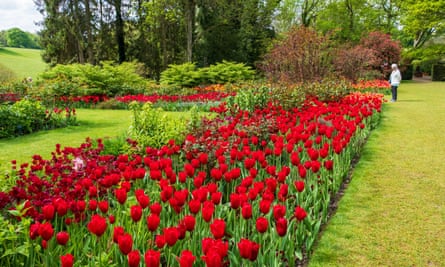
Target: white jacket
395, 78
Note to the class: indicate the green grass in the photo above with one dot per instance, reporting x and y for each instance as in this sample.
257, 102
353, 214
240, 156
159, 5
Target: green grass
94, 123
23, 62
393, 212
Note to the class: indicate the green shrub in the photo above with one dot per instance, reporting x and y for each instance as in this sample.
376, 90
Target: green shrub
250, 99
188, 75
151, 126
407, 72
228, 72
183, 75
438, 73
27, 116
111, 103
85, 79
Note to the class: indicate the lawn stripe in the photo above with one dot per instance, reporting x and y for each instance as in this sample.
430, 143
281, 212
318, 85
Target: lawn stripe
393, 212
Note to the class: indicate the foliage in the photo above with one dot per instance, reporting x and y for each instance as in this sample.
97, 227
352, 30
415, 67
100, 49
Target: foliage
426, 56
386, 51
85, 79
15, 37
407, 72
354, 62
228, 72
423, 19
151, 128
27, 116
303, 55
250, 99
182, 75
438, 72
188, 75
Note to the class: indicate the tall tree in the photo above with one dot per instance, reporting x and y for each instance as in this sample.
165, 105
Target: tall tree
423, 19
297, 12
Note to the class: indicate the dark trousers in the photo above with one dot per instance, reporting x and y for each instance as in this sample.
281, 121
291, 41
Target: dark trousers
394, 92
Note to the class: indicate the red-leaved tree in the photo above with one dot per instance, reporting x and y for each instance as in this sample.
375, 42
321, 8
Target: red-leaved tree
303, 55
354, 62
385, 49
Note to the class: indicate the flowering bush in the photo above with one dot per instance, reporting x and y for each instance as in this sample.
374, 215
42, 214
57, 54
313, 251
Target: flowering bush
27, 116
247, 188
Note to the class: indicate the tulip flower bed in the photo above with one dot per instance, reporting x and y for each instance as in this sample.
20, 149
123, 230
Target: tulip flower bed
247, 189
376, 86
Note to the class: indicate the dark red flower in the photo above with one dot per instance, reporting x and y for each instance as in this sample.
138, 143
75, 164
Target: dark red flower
194, 206
189, 222
281, 226
121, 195
207, 211
125, 243
246, 211
300, 213
262, 224
34, 230
216, 197
186, 259
61, 207
279, 211
134, 258
153, 221
160, 241
218, 228
117, 231
329, 165
46, 231
48, 212
67, 260
142, 198
81, 205
62, 238
265, 206
235, 201
103, 206
248, 249
156, 208
136, 213
299, 185
92, 205
97, 225
216, 174
171, 235
213, 259
152, 258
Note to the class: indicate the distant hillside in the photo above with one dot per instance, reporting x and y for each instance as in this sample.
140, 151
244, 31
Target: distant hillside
22, 62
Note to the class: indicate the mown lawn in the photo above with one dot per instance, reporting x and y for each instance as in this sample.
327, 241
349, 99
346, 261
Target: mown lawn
393, 212
93, 123
23, 62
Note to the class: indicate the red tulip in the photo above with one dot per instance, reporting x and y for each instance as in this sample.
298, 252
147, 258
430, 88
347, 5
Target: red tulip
97, 225
213, 259
46, 231
299, 185
218, 228
152, 258
171, 235
125, 242
265, 206
194, 206
189, 222
121, 195
153, 221
156, 208
279, 211
248, 249
246, 211
281, 226
329, 165
262, 224
143, 200
62, 238
160, 241
117, 231
186, 259
103, 206
300, 213
207, 211
136, 213
34, 230
92, 205
134, 258
48, 212
67, 260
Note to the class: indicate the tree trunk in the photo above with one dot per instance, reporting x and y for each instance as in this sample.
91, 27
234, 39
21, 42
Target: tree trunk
190, 6
90, 52
120, 31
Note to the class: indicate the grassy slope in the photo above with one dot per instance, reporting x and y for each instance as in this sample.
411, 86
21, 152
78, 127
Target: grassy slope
23, 62
393, 212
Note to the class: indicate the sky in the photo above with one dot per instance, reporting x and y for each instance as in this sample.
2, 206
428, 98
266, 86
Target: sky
19, 13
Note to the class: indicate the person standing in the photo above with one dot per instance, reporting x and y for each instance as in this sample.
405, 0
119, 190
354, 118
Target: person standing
394, 80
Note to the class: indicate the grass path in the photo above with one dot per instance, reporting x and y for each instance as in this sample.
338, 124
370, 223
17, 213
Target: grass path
393, 212
93, 123
23, 62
